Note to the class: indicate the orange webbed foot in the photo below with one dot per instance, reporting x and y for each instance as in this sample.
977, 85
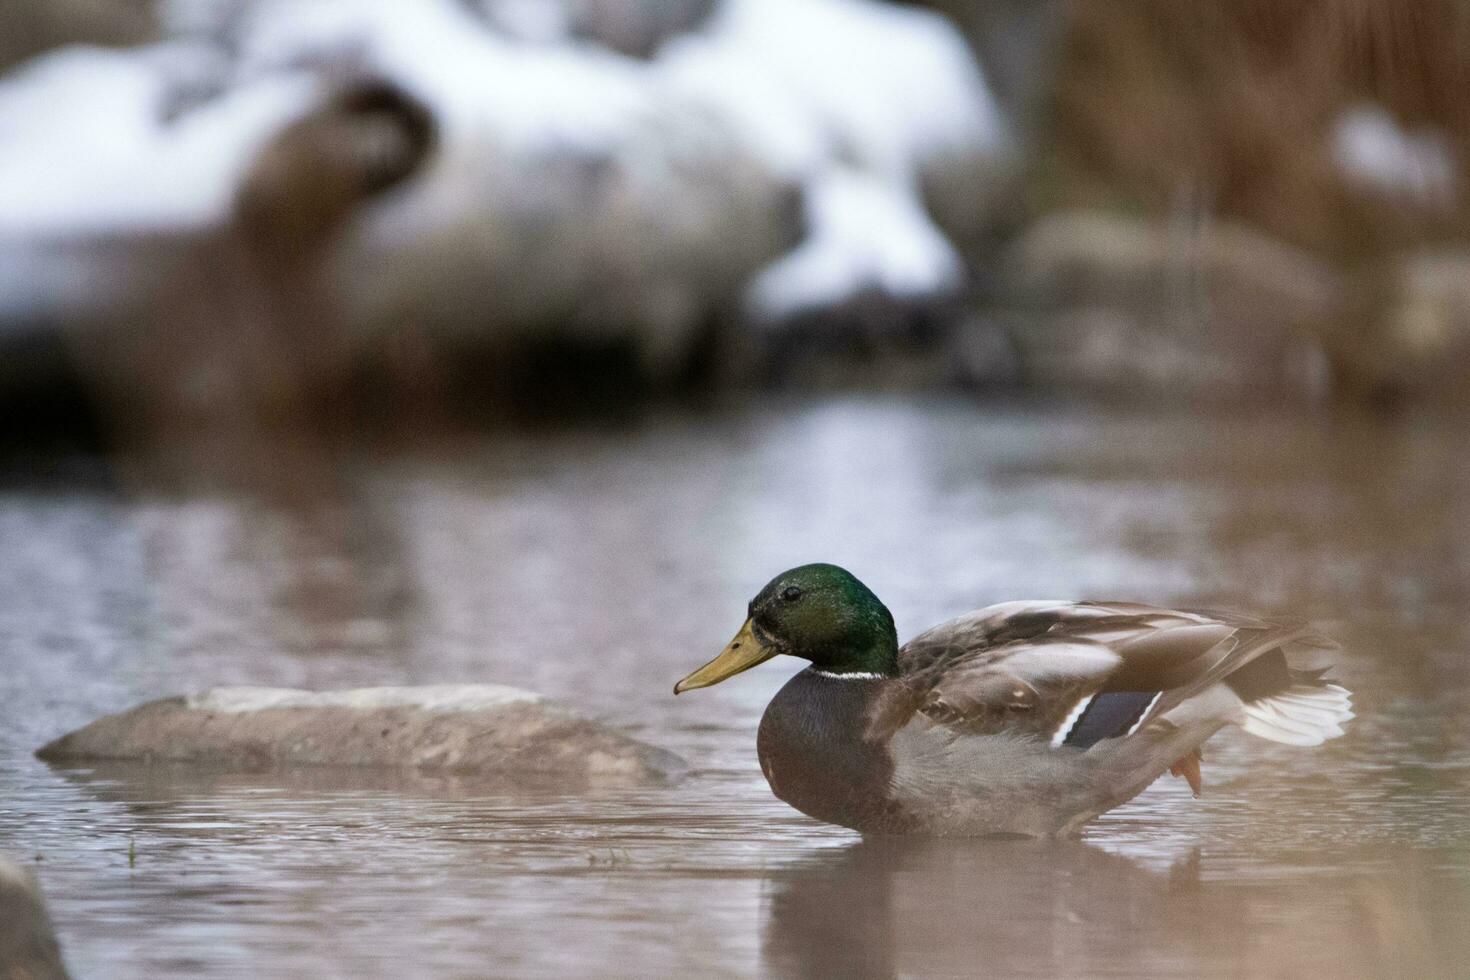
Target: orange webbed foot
1188, 767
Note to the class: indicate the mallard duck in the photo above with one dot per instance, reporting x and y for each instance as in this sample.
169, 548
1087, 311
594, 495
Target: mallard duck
1025, 717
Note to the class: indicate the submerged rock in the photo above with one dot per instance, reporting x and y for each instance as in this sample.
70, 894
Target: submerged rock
483, 729
28, 947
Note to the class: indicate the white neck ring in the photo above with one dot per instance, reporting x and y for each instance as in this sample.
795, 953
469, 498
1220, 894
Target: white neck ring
856, 676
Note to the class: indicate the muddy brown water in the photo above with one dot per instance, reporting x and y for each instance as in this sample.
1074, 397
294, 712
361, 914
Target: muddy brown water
599, 564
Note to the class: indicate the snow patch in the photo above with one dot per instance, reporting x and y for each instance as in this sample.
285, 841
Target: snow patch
439, 698
87, 145
864, 234
1371, 148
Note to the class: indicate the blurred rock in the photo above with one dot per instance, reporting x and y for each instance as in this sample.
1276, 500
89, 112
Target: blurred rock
122, 170
481, 729
28, 947
979, 199
1412, 323
364, 138
1016, 43
296, 200
1103, 301
982, 354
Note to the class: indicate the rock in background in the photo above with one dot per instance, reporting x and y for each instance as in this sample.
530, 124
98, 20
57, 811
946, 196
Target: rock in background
28, 947
1413, 318
1099, 302
1336, 130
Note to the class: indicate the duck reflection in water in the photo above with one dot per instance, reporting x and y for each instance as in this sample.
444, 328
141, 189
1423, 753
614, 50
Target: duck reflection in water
891, 906
1007, 907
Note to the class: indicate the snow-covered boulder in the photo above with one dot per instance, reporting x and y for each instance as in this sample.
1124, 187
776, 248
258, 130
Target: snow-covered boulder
881, 114
568, 196
862, 238
759, 160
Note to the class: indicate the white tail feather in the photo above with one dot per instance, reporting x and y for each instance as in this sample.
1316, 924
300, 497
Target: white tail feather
1302, 715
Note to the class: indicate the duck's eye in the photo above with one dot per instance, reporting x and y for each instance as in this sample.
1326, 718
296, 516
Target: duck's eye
791, 593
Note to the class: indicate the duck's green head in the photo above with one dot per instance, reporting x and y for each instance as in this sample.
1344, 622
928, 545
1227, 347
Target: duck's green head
820, 613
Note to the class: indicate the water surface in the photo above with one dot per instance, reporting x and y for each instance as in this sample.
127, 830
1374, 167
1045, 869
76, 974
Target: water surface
599, 564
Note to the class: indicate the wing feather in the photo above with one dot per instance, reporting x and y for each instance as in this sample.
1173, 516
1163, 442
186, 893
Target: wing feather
1028, 667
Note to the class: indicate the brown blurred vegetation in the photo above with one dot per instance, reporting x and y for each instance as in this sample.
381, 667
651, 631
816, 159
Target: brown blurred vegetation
1232, 101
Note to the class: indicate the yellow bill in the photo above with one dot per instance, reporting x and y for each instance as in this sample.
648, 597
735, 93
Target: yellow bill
741, 653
